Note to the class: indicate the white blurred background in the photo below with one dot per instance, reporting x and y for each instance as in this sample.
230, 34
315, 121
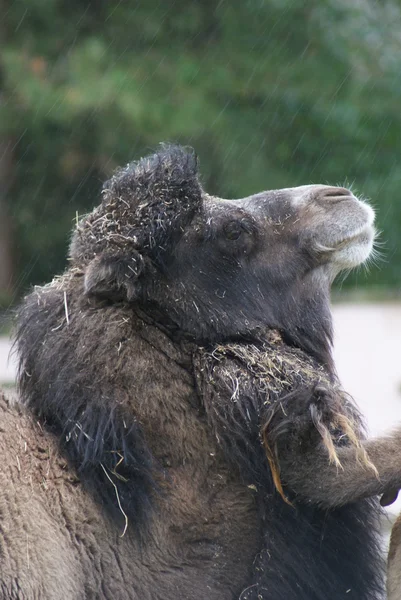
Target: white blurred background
367, 350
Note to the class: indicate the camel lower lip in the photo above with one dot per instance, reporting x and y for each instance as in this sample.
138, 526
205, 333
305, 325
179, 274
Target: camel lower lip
362, 236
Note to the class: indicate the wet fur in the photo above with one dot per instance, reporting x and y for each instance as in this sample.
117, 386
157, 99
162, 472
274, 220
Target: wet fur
190, 420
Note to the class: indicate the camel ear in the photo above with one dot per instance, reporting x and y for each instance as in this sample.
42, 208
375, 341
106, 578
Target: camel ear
115, 276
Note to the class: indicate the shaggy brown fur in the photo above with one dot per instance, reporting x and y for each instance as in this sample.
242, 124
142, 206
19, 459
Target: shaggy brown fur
182, 432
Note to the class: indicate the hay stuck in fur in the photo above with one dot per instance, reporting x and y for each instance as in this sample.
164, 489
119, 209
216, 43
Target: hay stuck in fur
280, 369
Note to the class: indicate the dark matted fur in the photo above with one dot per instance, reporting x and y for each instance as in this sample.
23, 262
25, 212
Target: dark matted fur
192, 391
304, 553
80, 403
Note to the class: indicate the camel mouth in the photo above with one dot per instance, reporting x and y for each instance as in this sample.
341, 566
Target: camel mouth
355, 249
350, 237
364, 235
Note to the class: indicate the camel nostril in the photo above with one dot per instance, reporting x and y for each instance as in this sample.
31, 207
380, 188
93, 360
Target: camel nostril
335, 193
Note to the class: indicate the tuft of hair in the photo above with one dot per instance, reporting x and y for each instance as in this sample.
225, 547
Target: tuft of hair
144, 204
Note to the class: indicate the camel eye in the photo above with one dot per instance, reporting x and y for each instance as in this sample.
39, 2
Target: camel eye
233, 230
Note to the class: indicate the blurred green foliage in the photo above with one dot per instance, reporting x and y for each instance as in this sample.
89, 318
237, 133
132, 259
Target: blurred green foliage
271, 93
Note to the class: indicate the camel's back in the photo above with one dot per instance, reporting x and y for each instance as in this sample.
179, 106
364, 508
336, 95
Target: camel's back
57, 542
36, 560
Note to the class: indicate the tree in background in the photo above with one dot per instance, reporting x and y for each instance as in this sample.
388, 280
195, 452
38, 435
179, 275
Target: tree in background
271, 93
6, 172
